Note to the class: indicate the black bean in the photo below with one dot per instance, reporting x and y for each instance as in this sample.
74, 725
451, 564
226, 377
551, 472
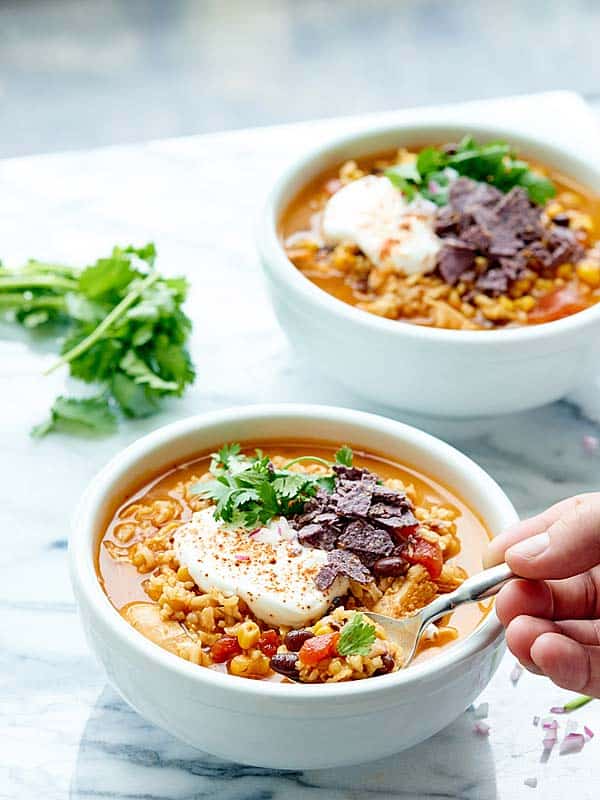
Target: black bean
388, 664
295, 639
389, 567
285, 664
561, 219
336, 603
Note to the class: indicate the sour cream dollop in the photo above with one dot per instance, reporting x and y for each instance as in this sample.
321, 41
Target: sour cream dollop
268, 568
372, 214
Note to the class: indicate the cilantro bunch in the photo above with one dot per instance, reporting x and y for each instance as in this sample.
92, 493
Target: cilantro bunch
249, 491
123, 328
496, 163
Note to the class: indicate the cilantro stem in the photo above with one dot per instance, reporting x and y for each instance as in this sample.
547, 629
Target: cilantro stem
44, 281
103, 326
308, 458
16, 300
577, 702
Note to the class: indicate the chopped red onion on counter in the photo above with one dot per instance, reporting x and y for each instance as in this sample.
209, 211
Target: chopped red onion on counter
557, 710
548, 723
516, 673
481, 728
591, 444
588, 732
572, 743
549, 740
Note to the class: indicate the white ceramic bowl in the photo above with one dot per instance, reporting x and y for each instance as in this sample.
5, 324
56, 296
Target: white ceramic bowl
271, 724
419, 369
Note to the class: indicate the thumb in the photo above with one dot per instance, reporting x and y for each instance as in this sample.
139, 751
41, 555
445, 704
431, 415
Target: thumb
569, 546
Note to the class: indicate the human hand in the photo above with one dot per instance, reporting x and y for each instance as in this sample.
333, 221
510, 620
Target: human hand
552, 619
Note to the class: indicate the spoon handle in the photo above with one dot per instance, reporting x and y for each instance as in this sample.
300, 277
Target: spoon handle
478, 587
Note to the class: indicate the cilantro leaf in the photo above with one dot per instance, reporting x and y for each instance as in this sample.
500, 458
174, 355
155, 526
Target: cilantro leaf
539, 188
344, 456
408, 189
137, 369
81, 415
288, 486
134, 399
106, 275
357, 637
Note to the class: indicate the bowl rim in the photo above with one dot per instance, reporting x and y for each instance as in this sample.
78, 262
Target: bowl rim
271, 250
86, 583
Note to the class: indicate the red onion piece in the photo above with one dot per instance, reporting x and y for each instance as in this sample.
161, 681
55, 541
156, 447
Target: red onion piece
549, 724
516, 673
481, 728
588, 732
572, 743
591, 444
557, 710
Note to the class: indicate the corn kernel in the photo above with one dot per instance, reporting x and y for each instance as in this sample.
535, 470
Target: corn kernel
260, 664
240, 665
553, 208
525, 303
544, 285
589, 272
565, 271
580, 221
321, 627
506, 302
248, 634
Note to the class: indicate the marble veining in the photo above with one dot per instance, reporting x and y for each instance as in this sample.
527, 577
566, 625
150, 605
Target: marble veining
64, 733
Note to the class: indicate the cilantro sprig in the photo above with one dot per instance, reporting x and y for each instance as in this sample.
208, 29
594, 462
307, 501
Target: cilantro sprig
357, 637
248, 490
124, 330
496, 163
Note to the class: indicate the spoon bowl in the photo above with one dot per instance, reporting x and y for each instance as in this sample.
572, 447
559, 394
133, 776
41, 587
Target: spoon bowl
407, 632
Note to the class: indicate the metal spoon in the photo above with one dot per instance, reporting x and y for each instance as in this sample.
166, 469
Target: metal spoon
407, 632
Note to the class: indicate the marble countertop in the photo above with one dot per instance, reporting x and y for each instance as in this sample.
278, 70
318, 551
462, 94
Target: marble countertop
64, 732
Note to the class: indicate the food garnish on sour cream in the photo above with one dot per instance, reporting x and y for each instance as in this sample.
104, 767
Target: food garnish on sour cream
267, 567
372, 214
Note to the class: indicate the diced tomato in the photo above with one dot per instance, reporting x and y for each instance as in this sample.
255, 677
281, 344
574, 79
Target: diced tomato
558, 304
319, 647
225, 649
269, 642
420, 551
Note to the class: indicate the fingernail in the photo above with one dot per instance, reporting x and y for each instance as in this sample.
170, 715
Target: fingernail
532, 547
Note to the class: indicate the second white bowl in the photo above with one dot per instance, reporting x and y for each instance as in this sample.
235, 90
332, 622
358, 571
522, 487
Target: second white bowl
419, 369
